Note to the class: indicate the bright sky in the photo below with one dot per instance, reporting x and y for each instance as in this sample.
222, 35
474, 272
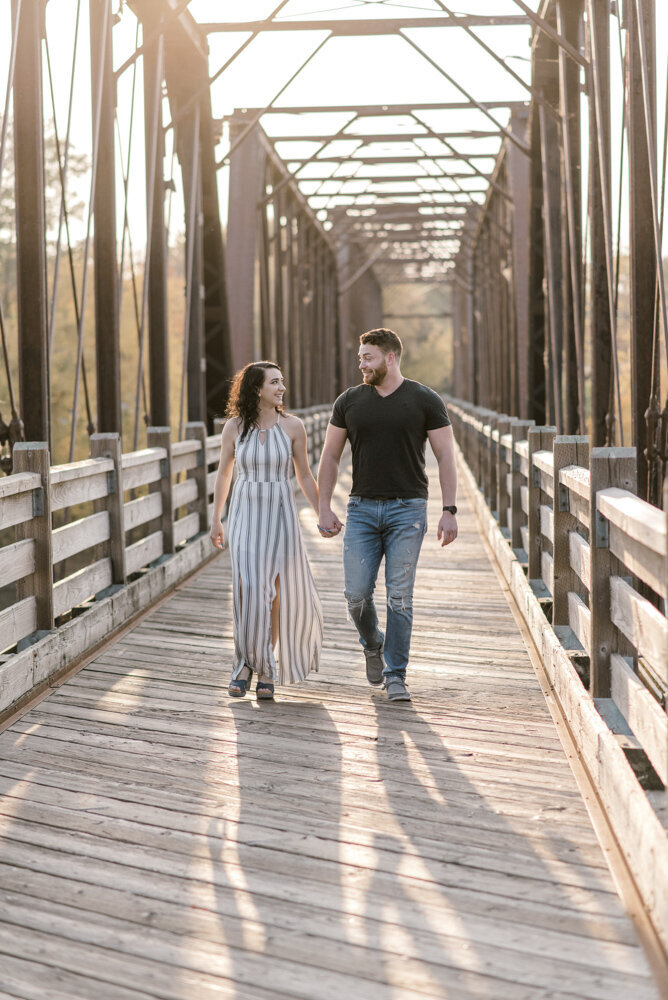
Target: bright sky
361, 70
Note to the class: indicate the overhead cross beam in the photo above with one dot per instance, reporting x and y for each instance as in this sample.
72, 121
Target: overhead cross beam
368, 26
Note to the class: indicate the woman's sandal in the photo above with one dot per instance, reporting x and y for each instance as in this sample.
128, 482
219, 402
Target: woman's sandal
264, 691
237, 688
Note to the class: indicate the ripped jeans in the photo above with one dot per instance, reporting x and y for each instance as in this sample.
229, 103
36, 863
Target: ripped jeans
394, 529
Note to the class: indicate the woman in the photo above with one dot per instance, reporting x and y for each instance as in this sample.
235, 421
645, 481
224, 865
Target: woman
275, 600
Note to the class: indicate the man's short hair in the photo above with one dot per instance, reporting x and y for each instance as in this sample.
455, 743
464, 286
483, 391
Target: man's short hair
387, 340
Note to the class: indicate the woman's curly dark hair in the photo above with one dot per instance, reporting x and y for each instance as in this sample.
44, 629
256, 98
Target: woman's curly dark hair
244, 399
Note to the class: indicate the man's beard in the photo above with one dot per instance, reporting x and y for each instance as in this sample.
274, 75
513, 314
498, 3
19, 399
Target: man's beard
376, 376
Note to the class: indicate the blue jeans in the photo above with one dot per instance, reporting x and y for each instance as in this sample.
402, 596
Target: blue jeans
394, 529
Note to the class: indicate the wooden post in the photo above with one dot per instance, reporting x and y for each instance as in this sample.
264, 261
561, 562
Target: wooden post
502, 467
568, 450
608, 467
519, 430
540, 439
109, 446
197, 431
491, 463
161, 437
34, 457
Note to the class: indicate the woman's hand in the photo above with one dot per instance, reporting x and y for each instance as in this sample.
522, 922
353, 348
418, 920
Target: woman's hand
216, 535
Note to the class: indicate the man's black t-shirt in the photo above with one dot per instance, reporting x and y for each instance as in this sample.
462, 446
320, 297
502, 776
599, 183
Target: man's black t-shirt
387, 436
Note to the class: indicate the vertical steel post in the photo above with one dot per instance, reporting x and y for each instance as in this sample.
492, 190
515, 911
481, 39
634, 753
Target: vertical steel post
30, 224
247, 173
155, 197
601, 335
642, 262
107, 336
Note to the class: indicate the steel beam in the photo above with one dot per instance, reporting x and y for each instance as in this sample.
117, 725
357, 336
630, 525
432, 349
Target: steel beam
370, 137
34, 386
156, 275
247, 174
601, 362
380, 110
368, 26
643, 259
107, 333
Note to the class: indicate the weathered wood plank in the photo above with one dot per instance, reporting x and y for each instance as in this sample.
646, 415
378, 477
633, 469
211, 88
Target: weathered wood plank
79, 482
184, 493
78, 587
642, 624
144, 551
80, 535
17, 561
643, 713
16, 622
142, 510
142, 467
186, 527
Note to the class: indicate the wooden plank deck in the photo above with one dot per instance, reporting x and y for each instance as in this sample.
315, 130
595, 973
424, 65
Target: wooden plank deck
158, 839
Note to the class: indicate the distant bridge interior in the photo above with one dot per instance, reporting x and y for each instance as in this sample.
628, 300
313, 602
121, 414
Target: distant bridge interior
188, 185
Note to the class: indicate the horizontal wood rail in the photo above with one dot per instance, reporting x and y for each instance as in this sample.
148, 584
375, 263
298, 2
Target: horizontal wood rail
132, 527
587, 562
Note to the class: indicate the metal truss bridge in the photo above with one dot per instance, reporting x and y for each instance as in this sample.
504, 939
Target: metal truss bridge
184, 189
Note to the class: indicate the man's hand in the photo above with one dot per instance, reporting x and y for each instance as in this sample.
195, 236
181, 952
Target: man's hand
329, 524
447, 528
216, 535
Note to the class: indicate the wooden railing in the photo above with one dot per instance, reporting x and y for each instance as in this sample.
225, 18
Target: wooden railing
587, 562
131, 526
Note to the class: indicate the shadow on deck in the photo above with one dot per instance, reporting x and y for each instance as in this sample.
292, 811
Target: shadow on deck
160, 840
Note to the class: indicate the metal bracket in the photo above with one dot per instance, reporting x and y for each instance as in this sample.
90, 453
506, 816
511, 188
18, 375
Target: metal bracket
38, 502
564, 499
164, 470
602, 531
112, 485
535, 477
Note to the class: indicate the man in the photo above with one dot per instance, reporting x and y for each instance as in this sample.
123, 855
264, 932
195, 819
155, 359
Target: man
387, 420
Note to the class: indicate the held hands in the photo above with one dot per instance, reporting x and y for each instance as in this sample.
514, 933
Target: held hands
447, 528
216, 535
329, 524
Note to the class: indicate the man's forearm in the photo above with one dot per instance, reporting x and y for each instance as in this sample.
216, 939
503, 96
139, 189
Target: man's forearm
447, 474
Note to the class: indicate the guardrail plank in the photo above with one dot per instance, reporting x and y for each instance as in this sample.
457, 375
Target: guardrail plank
642, 624
143, 552
578, 549
80, 586
579, 619
18, 483
80, 535
142, 509
186, 527
643, 713
17, 560
184, 493
18, 621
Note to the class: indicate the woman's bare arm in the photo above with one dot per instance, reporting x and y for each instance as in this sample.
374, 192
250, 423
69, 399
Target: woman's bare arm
223, 480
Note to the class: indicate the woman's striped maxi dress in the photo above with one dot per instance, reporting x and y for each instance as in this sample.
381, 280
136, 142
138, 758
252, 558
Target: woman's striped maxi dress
266, 542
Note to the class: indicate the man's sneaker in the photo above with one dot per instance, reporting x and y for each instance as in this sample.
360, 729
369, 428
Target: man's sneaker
374, 666
396, 688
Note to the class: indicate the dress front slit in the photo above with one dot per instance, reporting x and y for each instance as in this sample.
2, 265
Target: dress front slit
265, 543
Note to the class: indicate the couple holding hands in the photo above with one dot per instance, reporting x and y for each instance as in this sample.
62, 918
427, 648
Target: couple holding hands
278, 621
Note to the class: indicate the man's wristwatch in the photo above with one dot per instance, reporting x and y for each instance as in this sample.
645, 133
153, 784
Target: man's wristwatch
451, 508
